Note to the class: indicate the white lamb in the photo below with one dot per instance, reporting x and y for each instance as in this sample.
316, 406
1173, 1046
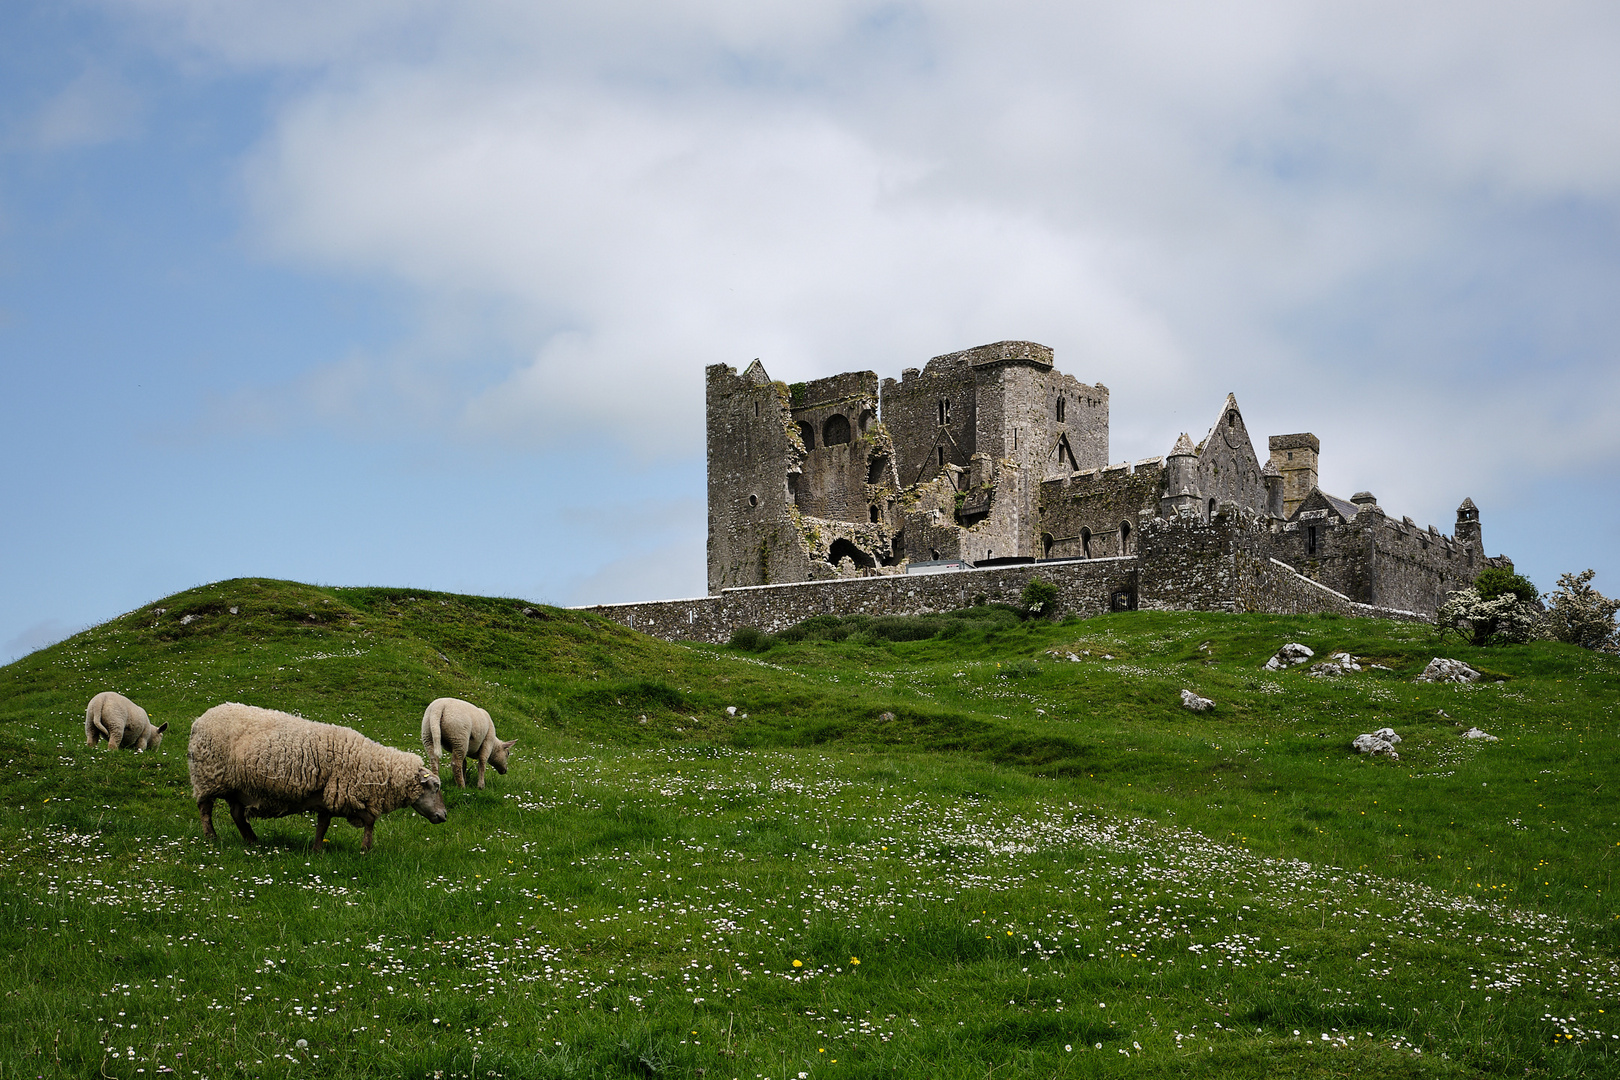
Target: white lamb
461, 728
121, 722
270, 764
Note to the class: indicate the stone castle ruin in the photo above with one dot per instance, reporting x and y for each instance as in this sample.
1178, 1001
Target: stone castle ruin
963, 479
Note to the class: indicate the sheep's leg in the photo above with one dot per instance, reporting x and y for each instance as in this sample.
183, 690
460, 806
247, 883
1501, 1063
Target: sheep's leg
205, 807
366, 844
483, 756
239, 815
458, 765
115, 735
322, 820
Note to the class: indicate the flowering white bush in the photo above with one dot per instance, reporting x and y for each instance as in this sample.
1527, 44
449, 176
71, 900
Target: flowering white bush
1502, 619
1581, 615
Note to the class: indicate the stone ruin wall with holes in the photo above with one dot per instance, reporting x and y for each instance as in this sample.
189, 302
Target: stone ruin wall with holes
1373, 556
993, 454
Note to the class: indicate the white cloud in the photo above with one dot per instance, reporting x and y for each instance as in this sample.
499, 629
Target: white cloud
1316, 206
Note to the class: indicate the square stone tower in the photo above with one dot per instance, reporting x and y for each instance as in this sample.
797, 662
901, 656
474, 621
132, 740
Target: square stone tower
1294, 457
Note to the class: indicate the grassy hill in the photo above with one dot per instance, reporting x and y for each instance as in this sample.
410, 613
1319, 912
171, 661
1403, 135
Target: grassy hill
842, 858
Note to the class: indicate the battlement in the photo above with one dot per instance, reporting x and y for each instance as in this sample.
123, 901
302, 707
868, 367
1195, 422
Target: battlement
1002, 352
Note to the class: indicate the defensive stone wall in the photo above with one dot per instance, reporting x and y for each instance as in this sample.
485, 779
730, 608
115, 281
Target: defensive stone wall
1374, 556
1184, 565
1081, 513
1085, 588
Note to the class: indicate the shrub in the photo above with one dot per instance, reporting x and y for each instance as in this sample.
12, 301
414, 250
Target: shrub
1580, 615
751, 639
1504, 620
1494, 582
1039, 597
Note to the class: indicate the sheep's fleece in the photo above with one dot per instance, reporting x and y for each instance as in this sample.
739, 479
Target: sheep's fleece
271, 764
463, 729
121, 722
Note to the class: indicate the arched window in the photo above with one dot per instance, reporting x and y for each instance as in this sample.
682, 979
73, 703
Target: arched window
835, 432
865, 422
1211, 515
753, 501
1085, 543
944, 411
1060, 410
808, 434
1231, 419
940, 452
1124, 538
1046, 545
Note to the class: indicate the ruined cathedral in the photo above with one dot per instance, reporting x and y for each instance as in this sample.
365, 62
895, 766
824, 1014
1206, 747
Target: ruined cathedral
993, 457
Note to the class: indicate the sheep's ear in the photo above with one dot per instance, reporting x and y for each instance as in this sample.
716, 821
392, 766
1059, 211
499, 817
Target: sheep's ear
163, 727
508, 744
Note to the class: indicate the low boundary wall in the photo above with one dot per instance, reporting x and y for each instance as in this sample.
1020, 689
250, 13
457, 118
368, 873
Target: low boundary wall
1231, 581
1084, 588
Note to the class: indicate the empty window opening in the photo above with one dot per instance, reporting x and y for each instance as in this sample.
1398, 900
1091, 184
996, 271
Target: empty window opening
1060, 410
874, 511
756, 409
933, 553
1124, 538
876, 468
753, 500
944, 411
1211, 515
940, 451
808, 434
1046, 545
835, 432
842, 549
1065, 454
867, 416
1085, 543
1310, 539
1231, 419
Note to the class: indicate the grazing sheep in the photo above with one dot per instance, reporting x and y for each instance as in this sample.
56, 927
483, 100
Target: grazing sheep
121, 722
272, 764
462, 728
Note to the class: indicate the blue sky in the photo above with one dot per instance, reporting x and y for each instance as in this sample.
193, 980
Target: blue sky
421, 293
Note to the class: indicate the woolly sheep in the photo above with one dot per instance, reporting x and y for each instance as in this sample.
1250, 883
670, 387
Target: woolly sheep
272, 764
461, 728
121, 722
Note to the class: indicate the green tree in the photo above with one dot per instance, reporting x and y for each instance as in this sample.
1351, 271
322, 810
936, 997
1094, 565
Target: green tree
1494, 582
1039, 597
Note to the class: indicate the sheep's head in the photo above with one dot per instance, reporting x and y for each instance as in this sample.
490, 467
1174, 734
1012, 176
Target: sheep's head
429, 801
153, 737
498, 756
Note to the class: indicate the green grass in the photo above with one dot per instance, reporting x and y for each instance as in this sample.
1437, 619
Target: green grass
1045, 867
